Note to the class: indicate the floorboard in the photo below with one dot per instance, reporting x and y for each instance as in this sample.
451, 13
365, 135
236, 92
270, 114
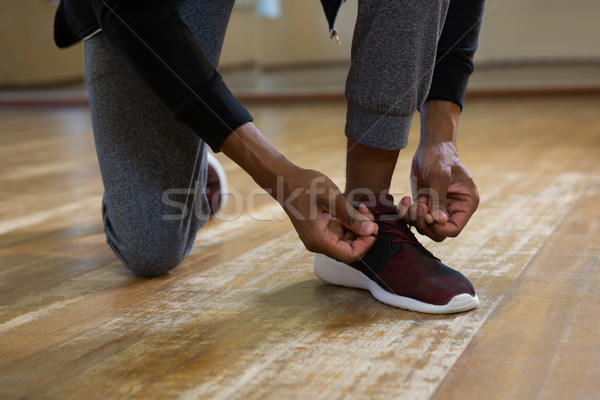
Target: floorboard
542, 341
245, 318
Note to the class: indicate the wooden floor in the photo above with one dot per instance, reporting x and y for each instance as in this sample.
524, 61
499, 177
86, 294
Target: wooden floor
245, 318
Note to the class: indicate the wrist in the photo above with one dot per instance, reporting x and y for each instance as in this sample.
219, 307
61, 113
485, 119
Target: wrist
439, 122
248, 148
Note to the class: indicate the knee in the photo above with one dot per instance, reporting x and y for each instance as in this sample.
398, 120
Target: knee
151, 261
152, 268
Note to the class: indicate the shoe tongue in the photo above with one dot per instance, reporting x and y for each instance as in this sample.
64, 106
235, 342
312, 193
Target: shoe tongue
379, 204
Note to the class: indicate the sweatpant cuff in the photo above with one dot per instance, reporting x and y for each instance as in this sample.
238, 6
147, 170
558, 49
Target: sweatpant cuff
377, 130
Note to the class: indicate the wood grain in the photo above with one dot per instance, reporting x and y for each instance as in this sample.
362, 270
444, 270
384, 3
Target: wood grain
543, 339
244, 317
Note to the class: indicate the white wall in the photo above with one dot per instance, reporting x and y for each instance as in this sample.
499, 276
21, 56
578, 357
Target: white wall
513, 31
301, 35
28, 55
530, 30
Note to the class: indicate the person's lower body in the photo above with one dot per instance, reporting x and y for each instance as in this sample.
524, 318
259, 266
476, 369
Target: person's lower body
154, 169
393, 54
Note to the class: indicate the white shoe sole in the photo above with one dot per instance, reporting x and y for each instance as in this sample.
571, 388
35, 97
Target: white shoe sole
213, 162
338, 273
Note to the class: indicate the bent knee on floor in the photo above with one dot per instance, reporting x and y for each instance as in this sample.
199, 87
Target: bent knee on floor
152, 261
153, 268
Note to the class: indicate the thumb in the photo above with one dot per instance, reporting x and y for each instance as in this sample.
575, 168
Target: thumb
352, 219
438, 191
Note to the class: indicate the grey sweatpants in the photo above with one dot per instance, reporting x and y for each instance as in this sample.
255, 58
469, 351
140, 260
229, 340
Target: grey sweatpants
393, 54
147, 159
150, 164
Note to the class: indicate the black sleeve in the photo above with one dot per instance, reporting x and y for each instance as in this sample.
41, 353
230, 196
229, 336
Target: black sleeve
456, 48
152, 38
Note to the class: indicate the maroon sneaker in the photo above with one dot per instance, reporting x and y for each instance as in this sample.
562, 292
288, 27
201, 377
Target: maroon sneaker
216, 184
398, 270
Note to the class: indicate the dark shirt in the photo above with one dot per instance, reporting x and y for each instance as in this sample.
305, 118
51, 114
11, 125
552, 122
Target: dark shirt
193, 90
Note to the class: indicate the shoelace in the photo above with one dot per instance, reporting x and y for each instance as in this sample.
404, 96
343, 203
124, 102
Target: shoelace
403, 233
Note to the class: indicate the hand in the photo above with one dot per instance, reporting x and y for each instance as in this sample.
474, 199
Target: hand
445, 193
310, 199
443, 189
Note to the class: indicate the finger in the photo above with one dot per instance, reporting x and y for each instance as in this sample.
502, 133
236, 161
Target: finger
439, 181
348, 251
365, 211
360, 246
352, 219
429, 220
448, 229
454, 226
412, 214
352, 247
460, 211
417, 211
423, 227
403, 209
